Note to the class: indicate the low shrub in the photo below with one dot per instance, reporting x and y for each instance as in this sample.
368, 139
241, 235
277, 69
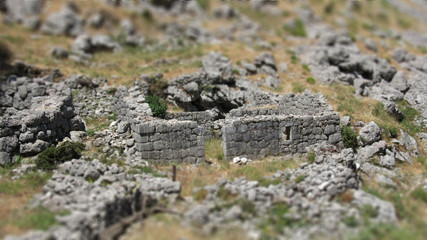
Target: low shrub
349, 137
52, 156
158, 106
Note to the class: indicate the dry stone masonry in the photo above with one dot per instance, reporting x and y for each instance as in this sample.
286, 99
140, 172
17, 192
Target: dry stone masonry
35, 114
164, 141
283, 129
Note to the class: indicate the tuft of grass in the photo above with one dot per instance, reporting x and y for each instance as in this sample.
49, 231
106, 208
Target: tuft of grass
297, 87
299, 178
214, 149
306, 68
294, 59
225, 194
351, 221
200, 195
311, 156
349, 137
311, 80
368, 211
296, 29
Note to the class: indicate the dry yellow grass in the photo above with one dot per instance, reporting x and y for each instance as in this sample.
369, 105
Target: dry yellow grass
166, 227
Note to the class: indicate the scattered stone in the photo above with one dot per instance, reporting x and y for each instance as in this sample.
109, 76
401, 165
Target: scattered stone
370, 133
409, 143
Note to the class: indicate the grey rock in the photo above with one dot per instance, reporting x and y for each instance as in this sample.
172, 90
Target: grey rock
409, 142
345, 121
399, 81
123, 127
5, 158
216, 64
59, 52
19, 10
370, 133
272, 82
387, 161
91, 174
371, 45
399, 54
386, 211
64, 22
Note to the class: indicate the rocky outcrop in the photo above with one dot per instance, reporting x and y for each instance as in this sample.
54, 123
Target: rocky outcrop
97, 196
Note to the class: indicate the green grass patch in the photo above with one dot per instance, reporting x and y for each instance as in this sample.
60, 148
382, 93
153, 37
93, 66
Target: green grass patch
306, 68
299, 178
39, 218
297, 87
419, 194
200, 195
310, 80
311, 157
203, 4
27, 183
296, 29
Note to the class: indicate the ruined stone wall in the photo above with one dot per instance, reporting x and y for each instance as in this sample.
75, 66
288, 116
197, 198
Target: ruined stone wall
129, 105
204, 120
171, 141
35, 114
256, 137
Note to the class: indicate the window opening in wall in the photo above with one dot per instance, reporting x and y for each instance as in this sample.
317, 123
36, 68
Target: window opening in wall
286, 135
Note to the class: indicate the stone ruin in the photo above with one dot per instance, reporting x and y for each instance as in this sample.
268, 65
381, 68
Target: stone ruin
296, 123
35, 114
272, 125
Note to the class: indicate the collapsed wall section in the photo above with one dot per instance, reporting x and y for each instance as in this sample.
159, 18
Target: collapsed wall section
171, 141
256, 137
35, 113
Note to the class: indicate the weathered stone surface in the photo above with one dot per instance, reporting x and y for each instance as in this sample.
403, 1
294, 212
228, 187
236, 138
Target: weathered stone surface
409, 142
370, 133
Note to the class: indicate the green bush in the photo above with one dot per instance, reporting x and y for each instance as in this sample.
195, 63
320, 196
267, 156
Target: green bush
158, 106
311, 80
49, 158
349, 137
297, 29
